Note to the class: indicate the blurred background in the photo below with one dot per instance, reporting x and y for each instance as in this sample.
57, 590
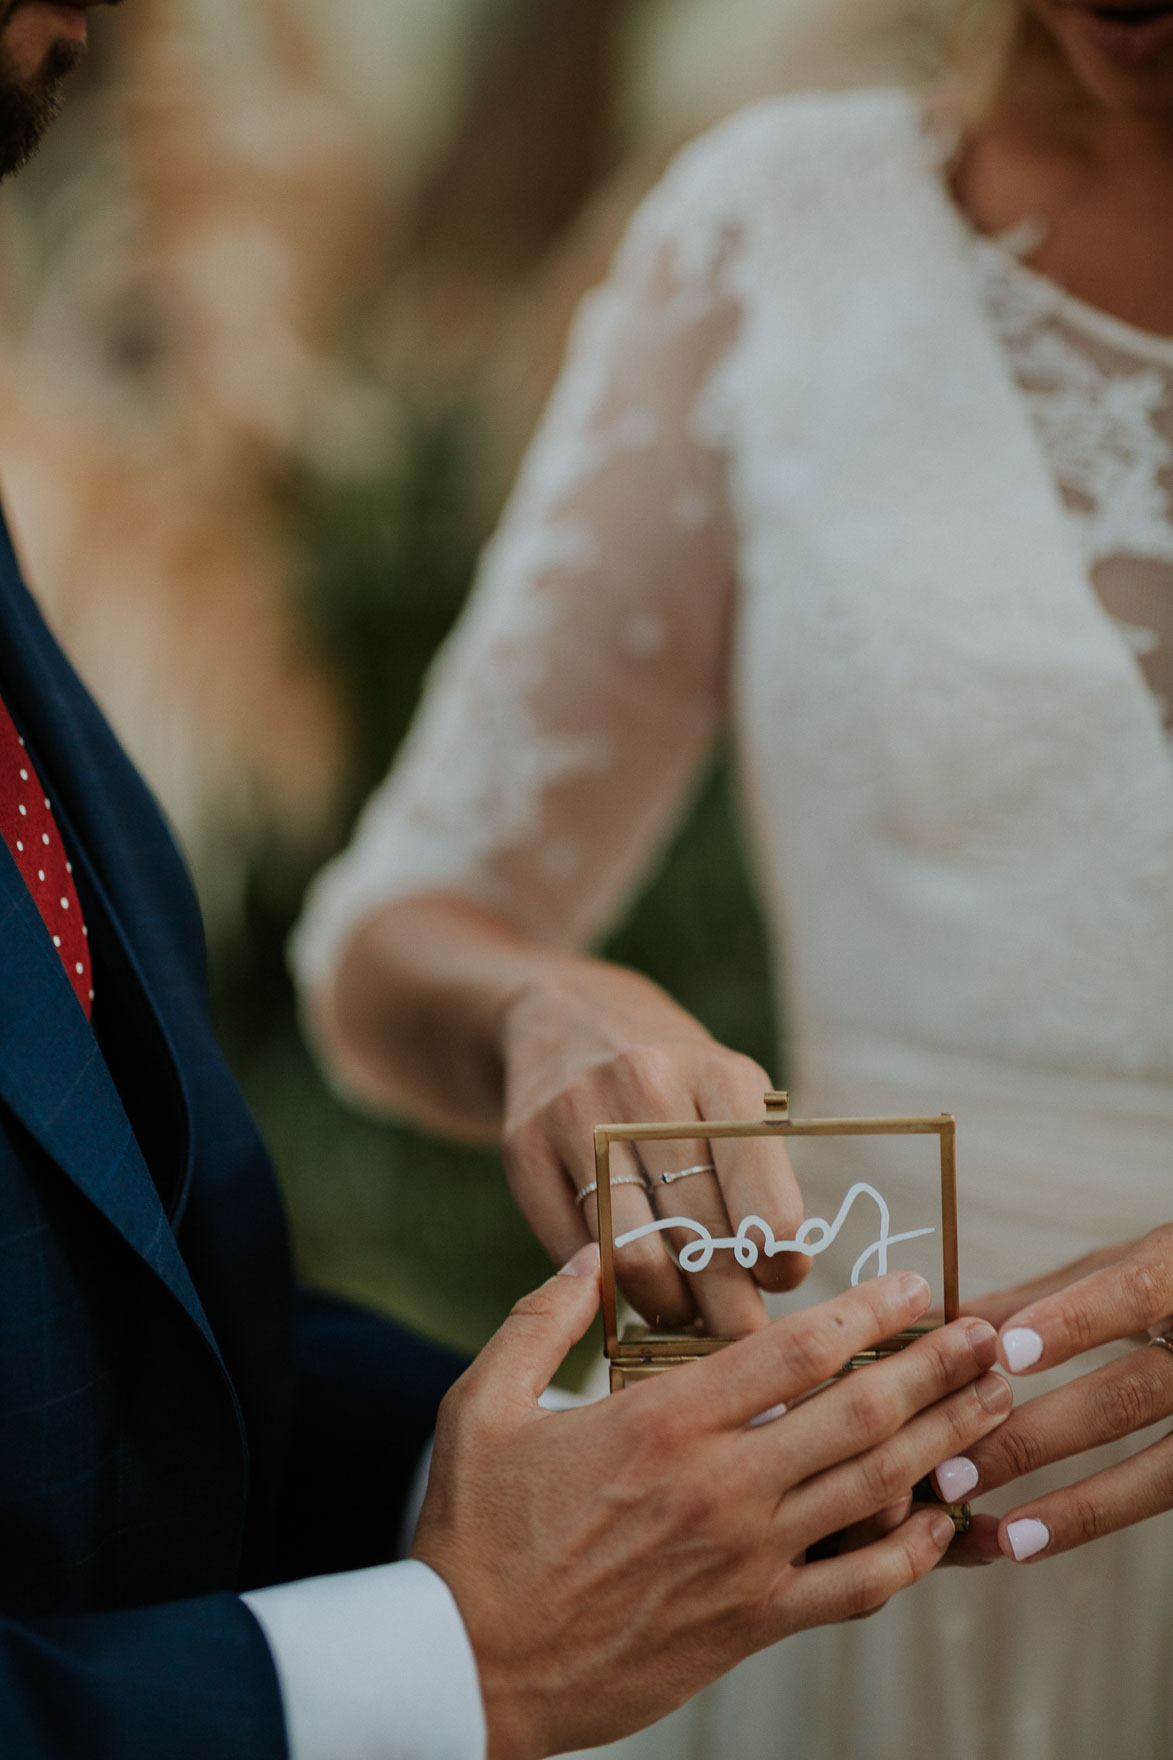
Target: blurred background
279, 304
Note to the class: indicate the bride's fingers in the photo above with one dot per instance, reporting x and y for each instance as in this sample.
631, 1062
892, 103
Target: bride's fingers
684, 1180
1124, 1396
758, 1180
1115, 1498
718, 1183
684, 1184
644, 1269
544, 1192
756, 1175
1111, 1303
1000, 1305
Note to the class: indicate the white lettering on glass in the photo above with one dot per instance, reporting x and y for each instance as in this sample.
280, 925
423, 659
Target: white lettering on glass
814, 1237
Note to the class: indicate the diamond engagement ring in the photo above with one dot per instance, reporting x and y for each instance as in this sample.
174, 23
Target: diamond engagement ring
669, 1179
621, 1179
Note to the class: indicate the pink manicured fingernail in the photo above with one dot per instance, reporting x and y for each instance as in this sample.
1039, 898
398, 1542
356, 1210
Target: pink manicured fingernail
1027, 1537
584, 1263
956, 1478
1022, 1347
778, 1411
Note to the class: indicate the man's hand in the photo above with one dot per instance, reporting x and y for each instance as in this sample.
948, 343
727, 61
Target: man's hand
610, 1561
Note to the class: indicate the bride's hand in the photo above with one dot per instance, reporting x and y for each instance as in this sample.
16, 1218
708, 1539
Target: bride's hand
1118, 1294
587, 1043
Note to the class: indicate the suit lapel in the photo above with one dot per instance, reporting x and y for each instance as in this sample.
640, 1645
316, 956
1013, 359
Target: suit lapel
54, 1079
135, 1045
52, 1072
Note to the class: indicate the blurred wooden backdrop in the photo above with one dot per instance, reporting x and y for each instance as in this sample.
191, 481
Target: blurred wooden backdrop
279, 303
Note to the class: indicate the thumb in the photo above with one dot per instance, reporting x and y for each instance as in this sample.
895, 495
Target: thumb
522, 1357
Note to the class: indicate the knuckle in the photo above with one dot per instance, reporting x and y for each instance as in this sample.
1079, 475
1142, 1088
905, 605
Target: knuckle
467, 1404
880, 1307
1074, 1323
664, 1428
523, 1142
956, 1424
1144, 1284
937, 1356
641, 1262
1124, 1404
747, 1075
568, 1116
860, 1597
884, 1477
647, 1070
965, 1419
450, 1407
537, 1304
870, 1591
1084, 1520
913, 1563
700, 1506
1162, 1465
1015, 1451
806, 1352
1160, 1243
873, 1405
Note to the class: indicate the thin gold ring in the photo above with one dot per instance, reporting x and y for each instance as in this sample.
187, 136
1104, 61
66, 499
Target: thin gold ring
1166, 1344
621, 1179
669, 1179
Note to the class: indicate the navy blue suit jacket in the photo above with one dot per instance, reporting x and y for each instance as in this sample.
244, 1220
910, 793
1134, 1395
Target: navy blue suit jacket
176, 1422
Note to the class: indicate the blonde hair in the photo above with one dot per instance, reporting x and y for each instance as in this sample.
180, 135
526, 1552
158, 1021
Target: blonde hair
977, 43
957, 53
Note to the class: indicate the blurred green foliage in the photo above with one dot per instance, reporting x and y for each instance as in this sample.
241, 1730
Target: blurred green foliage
412, 1225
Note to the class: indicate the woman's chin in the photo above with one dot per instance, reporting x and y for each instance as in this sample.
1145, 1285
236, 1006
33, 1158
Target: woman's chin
1149, 96
1121, 55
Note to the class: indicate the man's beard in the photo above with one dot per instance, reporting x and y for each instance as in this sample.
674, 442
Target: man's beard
29, 107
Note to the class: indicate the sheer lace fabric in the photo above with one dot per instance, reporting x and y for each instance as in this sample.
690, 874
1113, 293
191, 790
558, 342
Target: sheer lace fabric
565, 718
574, 703
1100, 394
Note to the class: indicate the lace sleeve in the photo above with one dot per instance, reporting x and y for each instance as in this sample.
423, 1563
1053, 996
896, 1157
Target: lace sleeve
570, 708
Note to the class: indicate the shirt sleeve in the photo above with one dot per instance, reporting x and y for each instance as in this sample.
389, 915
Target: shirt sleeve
569, 711
373, 1665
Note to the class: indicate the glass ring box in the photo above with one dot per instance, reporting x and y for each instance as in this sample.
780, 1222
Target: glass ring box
887, 1188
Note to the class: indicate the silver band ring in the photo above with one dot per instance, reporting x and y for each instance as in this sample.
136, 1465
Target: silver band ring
1166, 1344
621, 1179
669, 1179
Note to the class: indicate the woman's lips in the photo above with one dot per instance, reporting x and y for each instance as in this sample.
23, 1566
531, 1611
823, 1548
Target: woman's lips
1127, 33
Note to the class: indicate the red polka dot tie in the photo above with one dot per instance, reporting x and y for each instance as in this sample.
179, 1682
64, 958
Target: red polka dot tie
29, 829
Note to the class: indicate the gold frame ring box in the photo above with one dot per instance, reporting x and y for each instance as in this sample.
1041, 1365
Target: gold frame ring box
638, 1352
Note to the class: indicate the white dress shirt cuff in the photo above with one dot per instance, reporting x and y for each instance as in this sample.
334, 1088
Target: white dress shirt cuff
374, 1665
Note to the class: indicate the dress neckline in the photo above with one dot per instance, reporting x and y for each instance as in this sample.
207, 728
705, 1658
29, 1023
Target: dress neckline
1102, 326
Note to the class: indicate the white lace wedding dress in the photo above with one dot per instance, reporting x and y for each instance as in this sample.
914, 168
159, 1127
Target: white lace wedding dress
829, 469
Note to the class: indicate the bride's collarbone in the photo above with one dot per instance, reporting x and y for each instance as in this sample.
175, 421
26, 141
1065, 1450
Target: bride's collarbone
1105, 233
